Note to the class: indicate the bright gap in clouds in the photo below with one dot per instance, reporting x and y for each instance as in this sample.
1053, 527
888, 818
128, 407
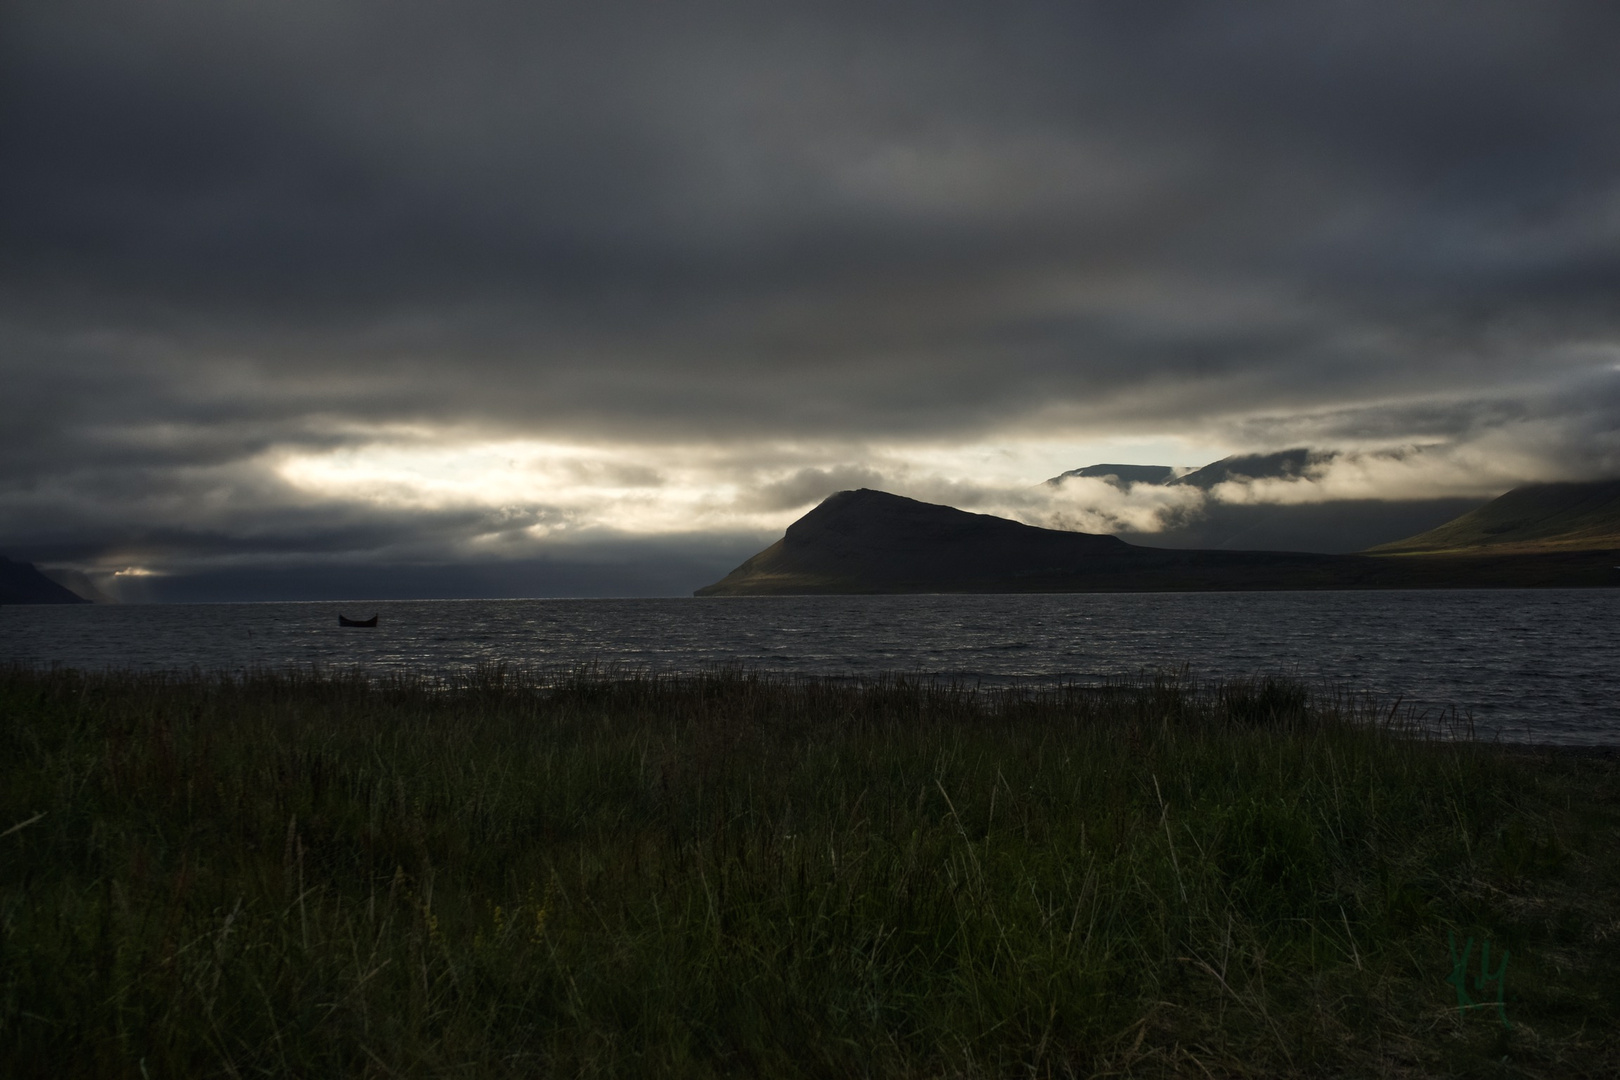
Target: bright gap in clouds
628, 490
655, 489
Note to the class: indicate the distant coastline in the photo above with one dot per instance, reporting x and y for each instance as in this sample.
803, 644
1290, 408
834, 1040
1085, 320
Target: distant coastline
1555, 536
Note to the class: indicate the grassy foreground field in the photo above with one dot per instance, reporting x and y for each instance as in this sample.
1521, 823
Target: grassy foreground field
292, 874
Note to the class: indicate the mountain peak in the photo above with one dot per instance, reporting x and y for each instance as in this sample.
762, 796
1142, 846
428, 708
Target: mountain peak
867, 511
1279, 465
875, 541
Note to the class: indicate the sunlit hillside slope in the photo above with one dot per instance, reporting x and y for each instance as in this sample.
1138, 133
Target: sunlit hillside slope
1531, 519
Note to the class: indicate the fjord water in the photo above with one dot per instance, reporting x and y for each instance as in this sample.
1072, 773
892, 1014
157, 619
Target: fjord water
1527, 665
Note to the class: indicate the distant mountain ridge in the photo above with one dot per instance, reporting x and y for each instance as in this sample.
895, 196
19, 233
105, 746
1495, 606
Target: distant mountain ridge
1120, 474
22, 583
874, 542
1279, 465
1535, 518
1337, 526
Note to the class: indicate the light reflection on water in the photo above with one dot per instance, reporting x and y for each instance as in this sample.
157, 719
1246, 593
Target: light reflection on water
1539, 665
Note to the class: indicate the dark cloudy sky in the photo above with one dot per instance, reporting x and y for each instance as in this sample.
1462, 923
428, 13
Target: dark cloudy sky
317, 297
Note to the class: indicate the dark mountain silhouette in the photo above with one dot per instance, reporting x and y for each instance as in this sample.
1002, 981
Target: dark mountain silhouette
1536, 518
21, 583
864, 541
873, 542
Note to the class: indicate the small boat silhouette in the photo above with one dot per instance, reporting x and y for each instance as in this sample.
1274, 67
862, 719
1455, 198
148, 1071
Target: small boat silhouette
344, 620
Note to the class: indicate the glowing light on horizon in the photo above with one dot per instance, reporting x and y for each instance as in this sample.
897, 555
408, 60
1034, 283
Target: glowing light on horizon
644, 489
579, 486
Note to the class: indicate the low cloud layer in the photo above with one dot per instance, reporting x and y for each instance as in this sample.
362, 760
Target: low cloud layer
1327, 501
302, 286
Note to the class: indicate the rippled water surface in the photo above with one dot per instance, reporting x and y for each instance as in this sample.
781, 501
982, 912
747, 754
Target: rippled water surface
1528, 665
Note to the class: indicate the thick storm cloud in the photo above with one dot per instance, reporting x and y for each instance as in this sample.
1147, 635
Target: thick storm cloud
288, 287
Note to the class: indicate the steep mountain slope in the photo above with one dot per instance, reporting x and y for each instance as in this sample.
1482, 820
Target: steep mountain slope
77, 583
20, 583
1531, 519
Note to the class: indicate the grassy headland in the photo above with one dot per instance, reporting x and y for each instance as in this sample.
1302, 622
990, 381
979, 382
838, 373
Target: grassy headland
1531, 520
323, 875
